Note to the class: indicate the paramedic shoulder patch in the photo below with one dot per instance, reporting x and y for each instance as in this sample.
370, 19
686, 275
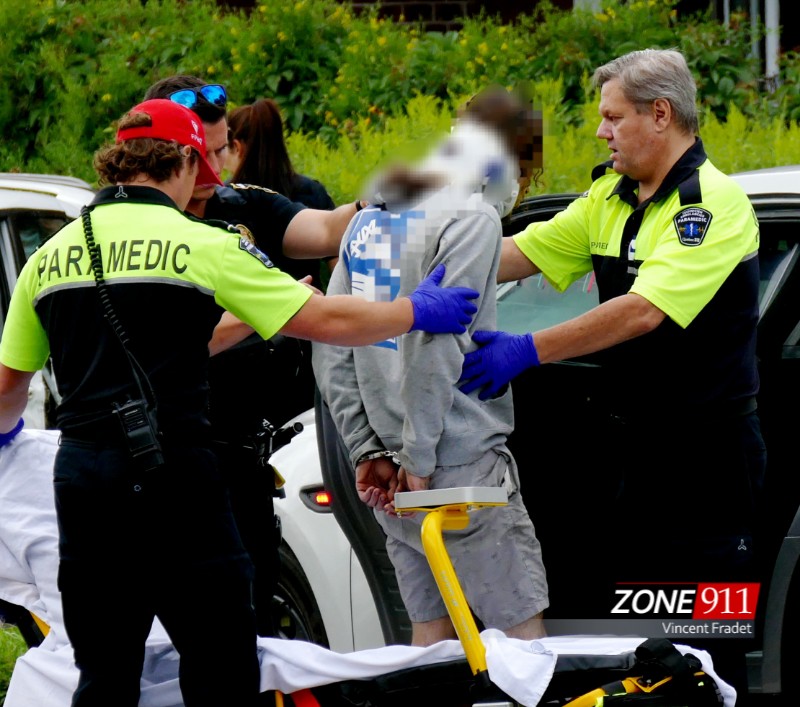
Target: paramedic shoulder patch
245, 244
691, 224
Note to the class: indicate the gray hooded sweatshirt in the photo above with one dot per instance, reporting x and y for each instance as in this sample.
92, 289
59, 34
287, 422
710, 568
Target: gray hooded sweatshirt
401, 394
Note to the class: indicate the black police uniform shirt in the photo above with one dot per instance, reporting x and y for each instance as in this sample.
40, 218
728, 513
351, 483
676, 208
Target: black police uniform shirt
277, 373
311, 193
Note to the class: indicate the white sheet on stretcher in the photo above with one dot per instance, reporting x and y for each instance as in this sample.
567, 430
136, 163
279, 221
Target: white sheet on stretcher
46, 675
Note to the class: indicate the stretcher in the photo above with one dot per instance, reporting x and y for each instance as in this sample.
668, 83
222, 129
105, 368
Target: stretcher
518, 671
580, 672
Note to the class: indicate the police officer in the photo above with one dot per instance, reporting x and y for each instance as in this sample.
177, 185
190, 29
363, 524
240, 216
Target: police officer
125, 301
276, 373
294, 237
673, 244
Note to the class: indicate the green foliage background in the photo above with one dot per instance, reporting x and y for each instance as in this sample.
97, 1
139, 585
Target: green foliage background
357, 90
12, 645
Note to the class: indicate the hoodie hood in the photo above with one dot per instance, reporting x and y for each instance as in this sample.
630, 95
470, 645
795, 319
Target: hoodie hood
472, 159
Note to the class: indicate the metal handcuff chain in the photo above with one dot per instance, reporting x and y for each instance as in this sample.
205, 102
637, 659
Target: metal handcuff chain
137, 417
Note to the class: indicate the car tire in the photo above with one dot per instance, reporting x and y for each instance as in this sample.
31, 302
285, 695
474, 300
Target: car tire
294, 609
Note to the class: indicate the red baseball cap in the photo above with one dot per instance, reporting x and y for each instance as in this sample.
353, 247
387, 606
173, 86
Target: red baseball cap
172, 121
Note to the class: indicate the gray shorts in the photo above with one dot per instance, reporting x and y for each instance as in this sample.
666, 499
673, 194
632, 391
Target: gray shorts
497, 557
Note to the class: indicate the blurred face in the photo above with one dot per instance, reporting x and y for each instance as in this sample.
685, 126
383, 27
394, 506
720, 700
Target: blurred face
632, 137
217, 151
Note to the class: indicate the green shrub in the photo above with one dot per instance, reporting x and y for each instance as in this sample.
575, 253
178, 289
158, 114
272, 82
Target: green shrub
346, 168
740, 143
571, 148
70, 69
12, 646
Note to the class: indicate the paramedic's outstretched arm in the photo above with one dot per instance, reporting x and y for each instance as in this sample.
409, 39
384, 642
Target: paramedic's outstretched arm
344, 320
514, 265
503, 356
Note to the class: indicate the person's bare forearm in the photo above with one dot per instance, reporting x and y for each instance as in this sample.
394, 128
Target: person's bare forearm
610, 323
344, 320
315, 233
13, 396
514, 264
229, 332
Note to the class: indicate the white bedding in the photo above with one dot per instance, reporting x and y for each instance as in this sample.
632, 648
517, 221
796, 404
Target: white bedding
46, 675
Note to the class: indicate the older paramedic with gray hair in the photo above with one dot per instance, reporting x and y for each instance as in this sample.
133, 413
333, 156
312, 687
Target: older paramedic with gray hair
673, 243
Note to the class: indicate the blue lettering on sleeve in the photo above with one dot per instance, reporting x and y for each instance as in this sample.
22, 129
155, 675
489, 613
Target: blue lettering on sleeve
373, 250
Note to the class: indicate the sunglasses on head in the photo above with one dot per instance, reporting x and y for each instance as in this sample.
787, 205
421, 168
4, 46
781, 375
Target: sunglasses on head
212, 93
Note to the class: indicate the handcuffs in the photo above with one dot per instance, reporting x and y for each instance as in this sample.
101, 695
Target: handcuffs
369, 456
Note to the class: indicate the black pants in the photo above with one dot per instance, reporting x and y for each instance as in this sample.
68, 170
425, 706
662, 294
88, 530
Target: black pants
688, 509
251, 487
163, 544
650, 499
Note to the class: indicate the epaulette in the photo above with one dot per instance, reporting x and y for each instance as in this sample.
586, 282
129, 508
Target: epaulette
243, 187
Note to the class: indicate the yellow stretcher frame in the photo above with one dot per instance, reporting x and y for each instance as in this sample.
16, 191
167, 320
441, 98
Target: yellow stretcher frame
449, 509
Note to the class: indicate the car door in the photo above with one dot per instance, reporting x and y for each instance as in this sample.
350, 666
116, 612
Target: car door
32, 209
778, 351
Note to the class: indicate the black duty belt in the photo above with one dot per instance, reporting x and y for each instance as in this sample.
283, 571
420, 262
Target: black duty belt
107, 432
104, 431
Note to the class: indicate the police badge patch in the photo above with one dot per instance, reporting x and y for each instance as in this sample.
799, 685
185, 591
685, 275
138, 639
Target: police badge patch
691, 224
245, 244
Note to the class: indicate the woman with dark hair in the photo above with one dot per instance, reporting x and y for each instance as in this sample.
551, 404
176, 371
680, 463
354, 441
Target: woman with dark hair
258, 155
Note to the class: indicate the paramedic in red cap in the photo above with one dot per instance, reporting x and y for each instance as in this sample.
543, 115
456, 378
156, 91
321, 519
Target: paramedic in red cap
124, 300
166, 123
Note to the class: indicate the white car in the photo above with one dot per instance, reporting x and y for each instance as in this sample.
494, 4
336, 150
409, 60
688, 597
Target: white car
32, 208
327, 597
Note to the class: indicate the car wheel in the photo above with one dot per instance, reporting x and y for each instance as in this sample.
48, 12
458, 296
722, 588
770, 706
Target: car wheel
294, 609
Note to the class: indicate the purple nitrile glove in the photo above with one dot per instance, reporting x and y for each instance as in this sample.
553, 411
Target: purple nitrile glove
442, 310
500, 358
6, 437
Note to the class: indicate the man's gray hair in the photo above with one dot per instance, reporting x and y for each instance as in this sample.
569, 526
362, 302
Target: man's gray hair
649, 74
